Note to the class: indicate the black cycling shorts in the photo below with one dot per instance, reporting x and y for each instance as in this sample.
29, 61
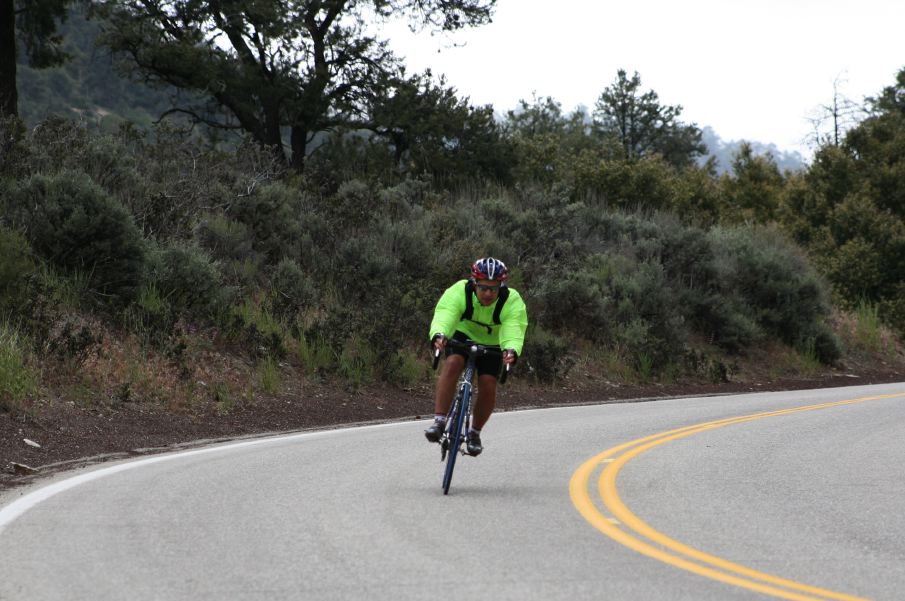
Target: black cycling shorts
486, 364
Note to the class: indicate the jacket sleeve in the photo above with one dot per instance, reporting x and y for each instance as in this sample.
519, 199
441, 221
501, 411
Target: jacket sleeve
449, 310
514, 323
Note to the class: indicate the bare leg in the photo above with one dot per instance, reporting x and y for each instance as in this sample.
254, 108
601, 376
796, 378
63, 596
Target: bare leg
446, 383
486, 400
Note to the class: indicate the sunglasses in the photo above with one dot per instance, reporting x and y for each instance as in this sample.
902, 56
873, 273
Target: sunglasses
487, 288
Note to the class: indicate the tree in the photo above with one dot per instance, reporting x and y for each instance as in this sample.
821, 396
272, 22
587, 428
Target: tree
753, 192
430, 129
849, 209
548, 143
542, 116
643, 126
842, 113
892, 98
305, 66
33, 23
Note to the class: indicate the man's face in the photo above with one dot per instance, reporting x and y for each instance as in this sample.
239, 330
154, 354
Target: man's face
487, 291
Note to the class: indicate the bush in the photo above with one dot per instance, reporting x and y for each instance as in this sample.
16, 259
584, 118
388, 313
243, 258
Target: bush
224, 238
291, 289
271, 214
72, 223
14, 150
772, 283
189, 281
16, 267
546, 355
16, 379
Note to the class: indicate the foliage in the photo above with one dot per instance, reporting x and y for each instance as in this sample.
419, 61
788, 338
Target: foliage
271, 215
13, 148
72, 223
32, 26
16, 269
293, 289
189, 282
430, 130
321, 59
37, 22
86, 86
848, 210
643, 126
17, 380
342, 274
547, 355
775, 290
753, 192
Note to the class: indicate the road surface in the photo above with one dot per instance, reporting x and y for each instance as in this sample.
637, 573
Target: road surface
778, 495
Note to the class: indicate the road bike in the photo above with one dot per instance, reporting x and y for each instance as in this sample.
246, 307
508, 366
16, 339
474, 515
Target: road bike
458, 420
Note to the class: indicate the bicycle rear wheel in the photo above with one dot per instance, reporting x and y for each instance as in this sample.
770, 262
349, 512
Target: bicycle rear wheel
455, 440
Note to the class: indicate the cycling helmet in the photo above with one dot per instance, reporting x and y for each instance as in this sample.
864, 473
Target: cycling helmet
489, 269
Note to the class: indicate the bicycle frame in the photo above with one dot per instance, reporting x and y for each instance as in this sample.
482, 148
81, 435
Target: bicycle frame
458, 419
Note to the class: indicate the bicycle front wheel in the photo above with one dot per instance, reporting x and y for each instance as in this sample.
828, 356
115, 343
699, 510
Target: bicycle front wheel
455, 439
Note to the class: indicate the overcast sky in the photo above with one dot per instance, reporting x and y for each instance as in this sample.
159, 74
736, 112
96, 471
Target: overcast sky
750, 69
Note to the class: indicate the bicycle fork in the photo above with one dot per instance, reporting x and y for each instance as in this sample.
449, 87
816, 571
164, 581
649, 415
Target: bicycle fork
455, 421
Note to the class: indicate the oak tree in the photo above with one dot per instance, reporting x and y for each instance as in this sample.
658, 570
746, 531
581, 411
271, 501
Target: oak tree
273, 68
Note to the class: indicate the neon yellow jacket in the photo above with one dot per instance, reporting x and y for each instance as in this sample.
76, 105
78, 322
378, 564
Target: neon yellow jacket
510, 333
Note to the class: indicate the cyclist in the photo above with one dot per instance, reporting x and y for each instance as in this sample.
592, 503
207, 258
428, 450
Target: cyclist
485, 310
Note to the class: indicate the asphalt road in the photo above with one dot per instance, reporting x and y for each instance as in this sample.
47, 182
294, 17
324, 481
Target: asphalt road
804, 504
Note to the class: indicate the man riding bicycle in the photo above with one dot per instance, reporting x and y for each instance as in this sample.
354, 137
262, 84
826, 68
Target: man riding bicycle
485, 310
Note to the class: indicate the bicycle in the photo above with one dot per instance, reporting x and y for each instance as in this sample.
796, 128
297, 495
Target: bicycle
458, 419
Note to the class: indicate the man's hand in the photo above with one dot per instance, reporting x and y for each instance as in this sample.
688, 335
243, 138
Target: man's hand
439, 341
510, 356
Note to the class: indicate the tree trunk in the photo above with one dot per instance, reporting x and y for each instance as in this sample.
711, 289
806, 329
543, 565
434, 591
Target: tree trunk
9, 96
299, 142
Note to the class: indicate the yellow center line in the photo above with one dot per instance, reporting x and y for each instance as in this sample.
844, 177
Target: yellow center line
683, 556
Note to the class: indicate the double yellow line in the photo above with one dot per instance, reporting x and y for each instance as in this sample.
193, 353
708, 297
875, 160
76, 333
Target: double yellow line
623, 526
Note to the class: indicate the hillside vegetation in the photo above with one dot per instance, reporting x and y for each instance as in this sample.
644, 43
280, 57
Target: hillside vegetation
153, 264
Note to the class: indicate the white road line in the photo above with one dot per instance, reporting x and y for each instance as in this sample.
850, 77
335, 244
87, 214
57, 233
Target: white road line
14, 510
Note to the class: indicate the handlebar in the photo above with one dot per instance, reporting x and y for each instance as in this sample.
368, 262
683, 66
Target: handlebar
478, 350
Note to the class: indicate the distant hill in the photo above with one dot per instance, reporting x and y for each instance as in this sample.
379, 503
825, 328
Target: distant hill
88, 86
725, 151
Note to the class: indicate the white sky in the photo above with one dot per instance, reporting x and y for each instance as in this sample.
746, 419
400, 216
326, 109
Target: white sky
752, 69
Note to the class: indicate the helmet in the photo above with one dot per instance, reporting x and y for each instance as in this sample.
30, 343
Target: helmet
489, 269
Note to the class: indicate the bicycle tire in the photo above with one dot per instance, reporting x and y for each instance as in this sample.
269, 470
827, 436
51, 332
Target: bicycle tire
455, 441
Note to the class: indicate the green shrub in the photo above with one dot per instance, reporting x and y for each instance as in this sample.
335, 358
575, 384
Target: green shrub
17, 381
773, 283
189, 281
271, 214
261, 333
409, 368
16, 268
224, 238
868, 326
269, 375
357, 361
821, 342
546, 355
14, 150
355, 204
292, 289
57, 144
573, 301
315, 354
892, 308
72, 223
